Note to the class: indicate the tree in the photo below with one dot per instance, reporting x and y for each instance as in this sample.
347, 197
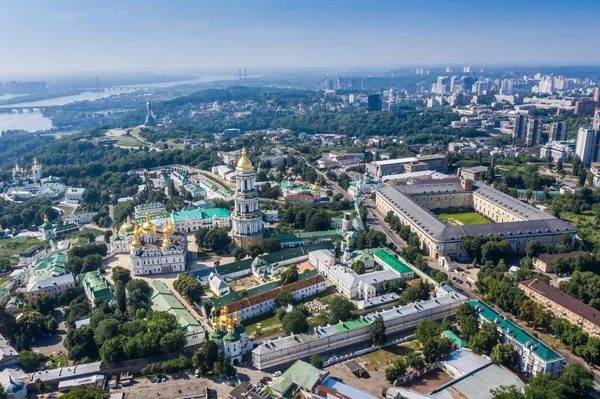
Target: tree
485, 339
271, 245
359, 267
2, 393
503, 354
207, 307
81, 343
340, 308
255, 250
31, 361
280, 313
189, 287
90, 392
44, 303
121, 296
414, 361
436, 348
239, 253
8, 323
284, 298
294, 322
223, 368
205, 357
121, 274
112, 351
468, 327
290, 275
200, 236
315, 361
378, 332
106, 330
396, 371
217, 238
426, 330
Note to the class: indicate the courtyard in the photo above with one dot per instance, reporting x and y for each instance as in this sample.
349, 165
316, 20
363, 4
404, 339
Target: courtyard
462, 218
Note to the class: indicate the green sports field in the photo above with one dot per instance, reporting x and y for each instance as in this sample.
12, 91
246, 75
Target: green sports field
463, 218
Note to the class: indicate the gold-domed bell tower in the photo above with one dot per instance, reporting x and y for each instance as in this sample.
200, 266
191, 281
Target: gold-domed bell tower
136, 244
246, 220
36, 171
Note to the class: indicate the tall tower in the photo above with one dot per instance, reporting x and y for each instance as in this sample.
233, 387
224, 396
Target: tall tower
37, 171
246, 221
149, 116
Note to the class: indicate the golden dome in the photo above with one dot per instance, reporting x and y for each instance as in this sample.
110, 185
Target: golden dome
136, 239
148, 226
216, 324
236, 318
36, 165
128, 227
230, 326
166, 240
244, 163
169, 228
315, 187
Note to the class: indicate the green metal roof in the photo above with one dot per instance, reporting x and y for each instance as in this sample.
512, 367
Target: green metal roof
55, 264
162, 299
455, 339
305, 235
514, 332
94, 283
351, 325
393, 262
208, 213
300, 374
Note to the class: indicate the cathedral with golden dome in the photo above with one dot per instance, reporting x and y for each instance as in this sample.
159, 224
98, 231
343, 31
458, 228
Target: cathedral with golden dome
151, 251
230, 335
247, 218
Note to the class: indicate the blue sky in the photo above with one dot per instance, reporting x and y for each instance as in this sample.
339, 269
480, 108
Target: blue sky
47, 36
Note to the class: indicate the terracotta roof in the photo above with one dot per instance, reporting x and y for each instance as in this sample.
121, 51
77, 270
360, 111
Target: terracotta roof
549, 258
299, 197
271, 294
568, 302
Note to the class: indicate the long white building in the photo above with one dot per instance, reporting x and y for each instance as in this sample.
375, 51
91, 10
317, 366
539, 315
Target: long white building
286, 350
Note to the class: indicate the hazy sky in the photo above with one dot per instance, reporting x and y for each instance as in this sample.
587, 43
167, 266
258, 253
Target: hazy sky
44, 36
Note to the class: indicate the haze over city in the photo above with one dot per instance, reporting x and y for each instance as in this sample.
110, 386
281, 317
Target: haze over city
264, 199
69, 35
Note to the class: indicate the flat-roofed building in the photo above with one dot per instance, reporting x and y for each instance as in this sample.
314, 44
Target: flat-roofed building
473, 173
563, 305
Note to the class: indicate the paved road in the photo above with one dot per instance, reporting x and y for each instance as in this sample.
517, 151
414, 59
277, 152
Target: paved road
335, 187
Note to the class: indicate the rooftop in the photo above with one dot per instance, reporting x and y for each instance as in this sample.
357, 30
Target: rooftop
513, 331
56, 264
361, 322
549, 258
342, 391
393, 262
455, 339
300, 374
566, 301
208, 213
162, 299
51, 282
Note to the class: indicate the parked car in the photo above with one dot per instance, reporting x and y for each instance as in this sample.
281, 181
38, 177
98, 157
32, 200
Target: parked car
277, 374
197, 373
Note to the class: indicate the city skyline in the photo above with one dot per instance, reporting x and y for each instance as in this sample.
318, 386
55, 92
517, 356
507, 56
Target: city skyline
135, 35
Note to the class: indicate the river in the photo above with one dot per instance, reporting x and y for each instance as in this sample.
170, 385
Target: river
36, 121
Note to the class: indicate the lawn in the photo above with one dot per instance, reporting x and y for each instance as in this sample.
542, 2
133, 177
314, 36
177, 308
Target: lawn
15, 246
463, 218
381, 358
129, 141
269, 324
586, 223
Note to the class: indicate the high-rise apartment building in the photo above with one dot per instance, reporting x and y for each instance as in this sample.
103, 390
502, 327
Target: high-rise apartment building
597, 96
585, 107
558, 132
374, 102
442, 85
534, 133
520, 127
506, 87
596, 121
587, 146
